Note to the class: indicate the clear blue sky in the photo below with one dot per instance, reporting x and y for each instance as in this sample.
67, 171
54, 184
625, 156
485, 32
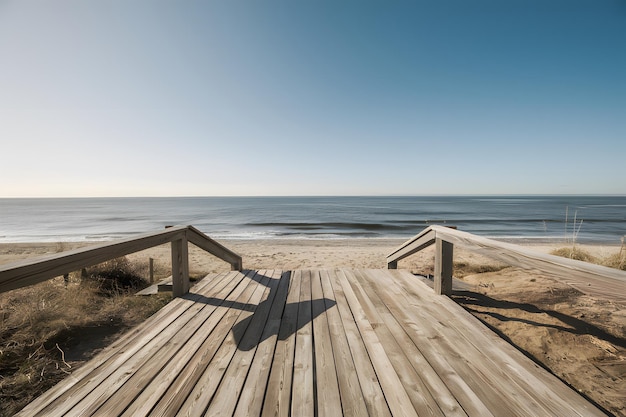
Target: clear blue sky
150, 98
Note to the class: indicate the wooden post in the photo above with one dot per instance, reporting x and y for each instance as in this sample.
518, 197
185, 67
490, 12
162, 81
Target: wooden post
443, 267
151, 269
180, 267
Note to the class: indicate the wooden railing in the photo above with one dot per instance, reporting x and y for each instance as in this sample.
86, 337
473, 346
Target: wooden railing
588, 278
33, 271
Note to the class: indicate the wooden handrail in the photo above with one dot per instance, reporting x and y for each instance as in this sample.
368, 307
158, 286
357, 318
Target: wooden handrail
32, 271
588, 278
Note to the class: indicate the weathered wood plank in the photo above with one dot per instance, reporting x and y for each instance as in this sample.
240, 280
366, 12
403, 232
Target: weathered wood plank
178, 390
418, 378
252, 395
278, 395
471, 365
328, 399
149, 391
395, 394
474, 363
200, 396
370, 385
302, 396
545, 390
352, 397
432, 381
403, 310
226, 397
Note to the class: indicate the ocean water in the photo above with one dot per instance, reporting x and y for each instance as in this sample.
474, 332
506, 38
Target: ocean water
541, 218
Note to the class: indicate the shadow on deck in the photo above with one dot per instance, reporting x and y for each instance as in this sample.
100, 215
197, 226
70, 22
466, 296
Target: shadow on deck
311, 342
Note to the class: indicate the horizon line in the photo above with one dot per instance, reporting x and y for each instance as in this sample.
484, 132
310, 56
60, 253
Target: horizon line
328, 195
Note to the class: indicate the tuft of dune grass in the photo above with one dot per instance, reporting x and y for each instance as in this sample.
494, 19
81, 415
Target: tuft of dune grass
463, 269
575, 253
616, 260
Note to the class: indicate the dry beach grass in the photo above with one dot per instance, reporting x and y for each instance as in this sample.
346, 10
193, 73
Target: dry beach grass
48, 330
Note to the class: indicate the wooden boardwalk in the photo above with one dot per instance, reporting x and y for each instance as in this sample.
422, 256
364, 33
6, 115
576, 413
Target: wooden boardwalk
311, 342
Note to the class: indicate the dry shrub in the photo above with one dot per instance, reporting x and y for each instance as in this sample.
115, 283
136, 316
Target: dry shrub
575, 253
617, 261
40, 324
117, 276
463, 269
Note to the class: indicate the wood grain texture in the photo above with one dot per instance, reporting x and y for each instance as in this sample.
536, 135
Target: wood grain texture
312, 342
204, 242
180, 267
444, 253
595, 280
32, 271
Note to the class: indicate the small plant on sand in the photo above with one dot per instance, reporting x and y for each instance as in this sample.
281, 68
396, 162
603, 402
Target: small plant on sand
576, 226
618, 260
575, 253
116, 276
463, 269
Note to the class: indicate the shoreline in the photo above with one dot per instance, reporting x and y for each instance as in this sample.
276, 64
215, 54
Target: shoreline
290, 253
521, 240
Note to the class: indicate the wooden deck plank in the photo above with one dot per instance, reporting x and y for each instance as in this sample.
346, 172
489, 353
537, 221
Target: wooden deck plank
302, 396
544, 388
200, 396
328, 399
227, 395
196, 351
178, 390
428, 376
114, 397
278, 395
476, 368
403, 312
253, 392
395, 393
402, 352
469, 362
312, 342
351, 396
370, 385
463, 364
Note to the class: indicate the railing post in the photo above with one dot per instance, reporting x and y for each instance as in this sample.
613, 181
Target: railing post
180, 267
443, 267
237, 266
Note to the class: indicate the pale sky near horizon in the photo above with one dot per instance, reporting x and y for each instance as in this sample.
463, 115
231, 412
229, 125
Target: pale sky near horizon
184, 98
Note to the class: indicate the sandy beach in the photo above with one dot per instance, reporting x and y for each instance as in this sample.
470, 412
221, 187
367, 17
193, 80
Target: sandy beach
290, 254
579, 338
